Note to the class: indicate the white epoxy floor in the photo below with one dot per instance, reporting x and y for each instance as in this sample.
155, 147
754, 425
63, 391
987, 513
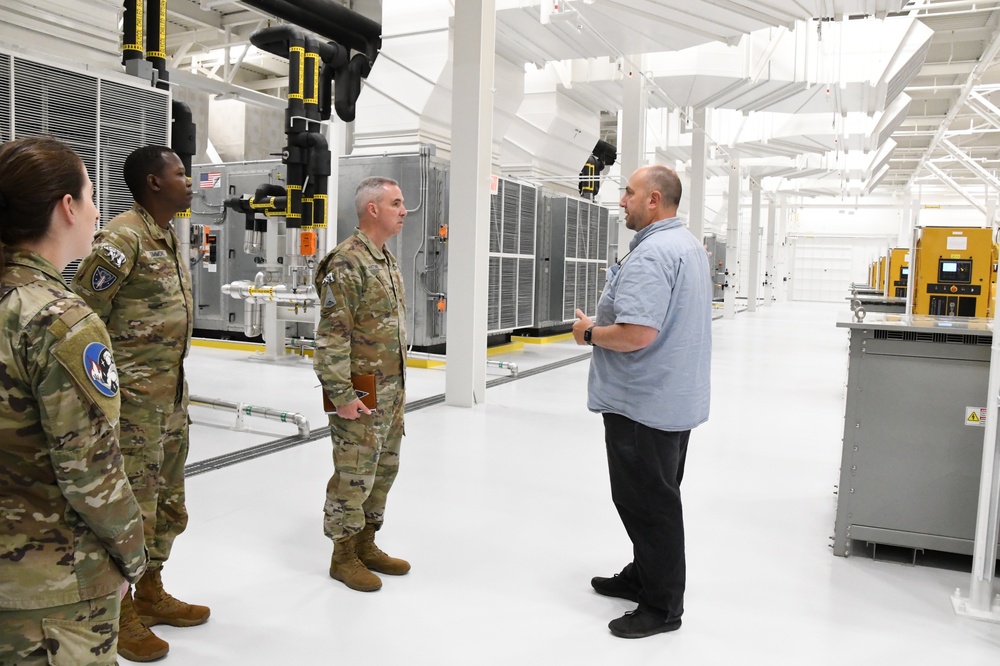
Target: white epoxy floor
504, 511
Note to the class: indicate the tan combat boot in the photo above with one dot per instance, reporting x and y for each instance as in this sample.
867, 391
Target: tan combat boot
155, 606
373, 557
347, 568
135, 641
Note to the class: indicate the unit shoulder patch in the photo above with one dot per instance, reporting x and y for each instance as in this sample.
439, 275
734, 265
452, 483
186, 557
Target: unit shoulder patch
102, 279
115, 256
99, 364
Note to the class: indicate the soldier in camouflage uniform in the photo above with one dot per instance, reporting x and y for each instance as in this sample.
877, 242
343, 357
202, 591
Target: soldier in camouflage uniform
70, 528
136, 280
361, 331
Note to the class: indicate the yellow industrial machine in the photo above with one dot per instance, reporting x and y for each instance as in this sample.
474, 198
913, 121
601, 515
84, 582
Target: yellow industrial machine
898, 272
953, 272
880, 284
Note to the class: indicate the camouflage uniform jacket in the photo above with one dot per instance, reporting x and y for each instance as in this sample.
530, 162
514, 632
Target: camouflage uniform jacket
362, 326
66, 508
139, 286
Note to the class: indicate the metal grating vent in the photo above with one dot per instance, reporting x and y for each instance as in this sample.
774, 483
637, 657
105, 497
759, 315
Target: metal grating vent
130, 118
4, 98
602, 235
493, 292
513, 213
527, 221
510, 229
586, 257
59, 103
949, 338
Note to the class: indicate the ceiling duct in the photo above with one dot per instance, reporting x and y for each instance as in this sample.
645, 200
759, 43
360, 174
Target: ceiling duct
328, 19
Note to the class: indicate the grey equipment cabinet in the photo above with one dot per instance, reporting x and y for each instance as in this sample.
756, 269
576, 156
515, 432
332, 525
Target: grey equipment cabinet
912, 452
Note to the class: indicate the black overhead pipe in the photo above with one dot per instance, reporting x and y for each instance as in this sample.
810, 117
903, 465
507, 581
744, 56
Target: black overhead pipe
183, 133
603, 155
156, 40
132, 30
328, 19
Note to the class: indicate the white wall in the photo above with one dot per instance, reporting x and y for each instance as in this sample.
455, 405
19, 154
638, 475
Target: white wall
832, 243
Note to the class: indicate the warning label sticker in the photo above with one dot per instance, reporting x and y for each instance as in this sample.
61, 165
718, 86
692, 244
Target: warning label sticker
975, 416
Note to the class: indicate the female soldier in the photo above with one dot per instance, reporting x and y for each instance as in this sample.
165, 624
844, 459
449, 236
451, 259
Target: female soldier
70, 529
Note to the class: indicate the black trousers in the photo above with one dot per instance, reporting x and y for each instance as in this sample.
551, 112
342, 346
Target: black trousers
646, 467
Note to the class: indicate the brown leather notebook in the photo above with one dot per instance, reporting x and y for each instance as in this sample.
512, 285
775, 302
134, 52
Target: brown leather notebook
364, 388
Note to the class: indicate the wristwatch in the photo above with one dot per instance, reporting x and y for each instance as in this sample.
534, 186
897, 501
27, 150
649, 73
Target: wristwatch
587, 335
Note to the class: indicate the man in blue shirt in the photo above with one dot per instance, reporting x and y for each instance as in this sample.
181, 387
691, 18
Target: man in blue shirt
649, 379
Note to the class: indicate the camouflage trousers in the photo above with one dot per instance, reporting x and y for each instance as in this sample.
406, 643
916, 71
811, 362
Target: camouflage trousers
155, 448
72, 635
365, 460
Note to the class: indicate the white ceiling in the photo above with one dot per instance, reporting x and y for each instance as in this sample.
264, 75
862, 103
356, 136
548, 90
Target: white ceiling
952, 126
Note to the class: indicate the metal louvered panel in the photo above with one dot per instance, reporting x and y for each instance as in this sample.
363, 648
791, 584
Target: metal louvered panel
572, 228
569, 291
511, 207
593, 272
593, 231
512, 281
495, 218
59, 103
493, 296
526, 224
602, 236
130, 118
508, 292
4, 98
525, 292
581, 268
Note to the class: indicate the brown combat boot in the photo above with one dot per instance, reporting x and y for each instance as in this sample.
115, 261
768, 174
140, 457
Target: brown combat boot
135, 641
347, 568
155, 606
373, 557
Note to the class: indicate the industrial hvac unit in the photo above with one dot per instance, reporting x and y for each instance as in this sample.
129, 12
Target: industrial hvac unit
716, 248
513, 213
102, 116
572, 259
218, 236
422, 249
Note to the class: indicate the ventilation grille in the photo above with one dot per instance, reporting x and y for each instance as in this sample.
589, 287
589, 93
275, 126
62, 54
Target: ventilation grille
513, 213
4, 98
950, 338
586, 257
102, 120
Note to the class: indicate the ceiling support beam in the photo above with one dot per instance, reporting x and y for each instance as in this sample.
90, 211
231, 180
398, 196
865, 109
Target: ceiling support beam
946, 179
971, 164
984, 63
984, 108
224, 90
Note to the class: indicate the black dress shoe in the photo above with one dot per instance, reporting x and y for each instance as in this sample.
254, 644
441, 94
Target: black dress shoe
640, 623
616, 586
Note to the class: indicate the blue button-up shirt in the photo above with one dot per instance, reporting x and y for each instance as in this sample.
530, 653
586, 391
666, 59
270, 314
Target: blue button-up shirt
663, 283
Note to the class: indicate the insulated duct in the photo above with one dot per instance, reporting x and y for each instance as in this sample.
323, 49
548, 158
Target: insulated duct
156, 40
132, 22
604, 155
183, 133
328, 19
